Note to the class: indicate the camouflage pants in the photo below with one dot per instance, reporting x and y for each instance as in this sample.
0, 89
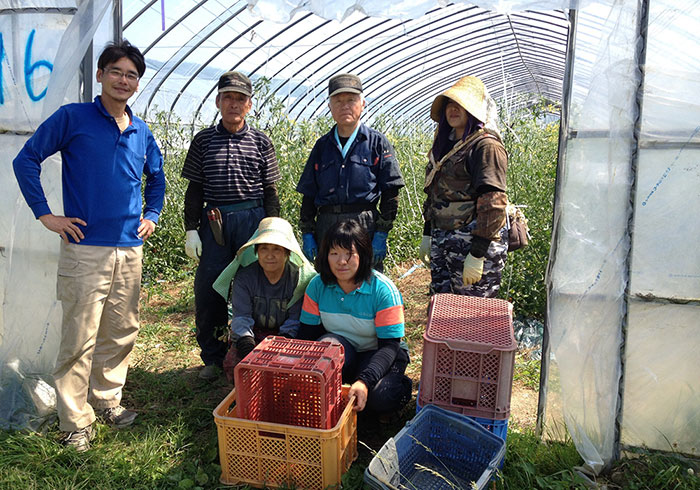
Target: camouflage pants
447, 252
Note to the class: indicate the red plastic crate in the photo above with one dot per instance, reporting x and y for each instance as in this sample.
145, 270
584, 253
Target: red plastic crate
468, 356
291, 382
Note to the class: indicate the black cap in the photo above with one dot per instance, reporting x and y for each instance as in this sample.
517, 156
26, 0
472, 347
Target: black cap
344, 82
234, 81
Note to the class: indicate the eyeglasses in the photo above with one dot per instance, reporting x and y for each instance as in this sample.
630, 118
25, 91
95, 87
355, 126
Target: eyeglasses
118, 74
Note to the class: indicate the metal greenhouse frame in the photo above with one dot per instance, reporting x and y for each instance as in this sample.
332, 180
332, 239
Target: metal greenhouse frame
620, 364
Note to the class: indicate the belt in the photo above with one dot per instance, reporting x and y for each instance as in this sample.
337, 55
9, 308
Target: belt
346, 208
238, 206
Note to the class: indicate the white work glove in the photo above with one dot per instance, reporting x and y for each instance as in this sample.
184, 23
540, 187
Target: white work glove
424, 250
193, 244
473, 269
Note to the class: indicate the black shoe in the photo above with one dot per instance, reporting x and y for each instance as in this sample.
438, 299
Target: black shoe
210, 372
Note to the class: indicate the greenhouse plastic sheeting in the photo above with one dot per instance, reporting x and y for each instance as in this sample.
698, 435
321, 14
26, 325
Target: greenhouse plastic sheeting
284, 10
38, 75
623, 365
623, 280
404, 64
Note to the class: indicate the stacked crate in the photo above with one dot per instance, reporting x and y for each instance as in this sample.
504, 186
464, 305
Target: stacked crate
438, 449
468, 358
293, 382
289, 421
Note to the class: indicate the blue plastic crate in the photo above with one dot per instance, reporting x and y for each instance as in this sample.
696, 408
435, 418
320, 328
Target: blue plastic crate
497, 427
437, 445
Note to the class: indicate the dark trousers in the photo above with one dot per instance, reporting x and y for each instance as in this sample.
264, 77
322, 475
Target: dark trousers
392, 392
211, 312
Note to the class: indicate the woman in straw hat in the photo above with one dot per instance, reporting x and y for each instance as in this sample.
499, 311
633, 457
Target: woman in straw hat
465, 239
354, 305
265, 284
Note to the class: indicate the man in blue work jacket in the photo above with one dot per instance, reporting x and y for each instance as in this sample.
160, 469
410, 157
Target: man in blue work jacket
105, 151
351, 173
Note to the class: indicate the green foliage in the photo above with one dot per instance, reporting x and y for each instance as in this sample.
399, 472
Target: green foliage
653, 470
535, 464
411, 148
164, 254
527, 371
532, 153
532, 160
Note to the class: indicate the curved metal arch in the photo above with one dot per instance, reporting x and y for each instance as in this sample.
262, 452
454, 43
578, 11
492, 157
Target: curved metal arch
169, 29
544, 18
462, 40
372, 54
398, 108
338, 46
538, 63
279, 33
405, 62
319, 85
476, 69
418, 109
207, 62
308, 33
326, 53
492, 78
438, 52
187, 54
490, 27
138, 14
315, 90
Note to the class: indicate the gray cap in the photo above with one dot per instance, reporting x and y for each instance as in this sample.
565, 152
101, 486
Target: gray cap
234, 81
344, 82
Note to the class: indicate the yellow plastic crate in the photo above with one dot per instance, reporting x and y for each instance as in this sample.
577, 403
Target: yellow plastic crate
265, 454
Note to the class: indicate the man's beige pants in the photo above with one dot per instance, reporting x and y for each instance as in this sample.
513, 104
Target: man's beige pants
99, 289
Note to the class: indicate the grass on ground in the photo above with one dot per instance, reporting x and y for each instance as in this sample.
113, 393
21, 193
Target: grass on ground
173, 444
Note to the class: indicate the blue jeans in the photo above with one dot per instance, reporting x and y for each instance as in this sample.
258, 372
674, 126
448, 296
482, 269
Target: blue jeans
391, 392
211, 312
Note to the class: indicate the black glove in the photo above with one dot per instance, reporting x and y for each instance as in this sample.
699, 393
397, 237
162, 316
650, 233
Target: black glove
244, 346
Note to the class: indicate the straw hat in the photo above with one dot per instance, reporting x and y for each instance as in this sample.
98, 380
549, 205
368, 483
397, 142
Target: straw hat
275, 231
469, 92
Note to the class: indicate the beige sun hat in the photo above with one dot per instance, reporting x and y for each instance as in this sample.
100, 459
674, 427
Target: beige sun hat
275, 231
469, 92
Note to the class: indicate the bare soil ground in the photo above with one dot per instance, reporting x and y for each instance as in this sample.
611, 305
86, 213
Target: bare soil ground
172, 304
414, 289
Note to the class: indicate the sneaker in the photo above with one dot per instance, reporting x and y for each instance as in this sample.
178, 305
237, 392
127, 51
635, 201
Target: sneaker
210, 372
118, 417
79, 439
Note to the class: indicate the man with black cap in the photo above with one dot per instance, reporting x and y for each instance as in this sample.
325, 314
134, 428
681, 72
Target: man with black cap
350, 172
233, 173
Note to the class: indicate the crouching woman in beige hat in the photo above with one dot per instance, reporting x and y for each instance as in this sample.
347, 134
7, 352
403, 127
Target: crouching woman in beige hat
465, 239
265, 285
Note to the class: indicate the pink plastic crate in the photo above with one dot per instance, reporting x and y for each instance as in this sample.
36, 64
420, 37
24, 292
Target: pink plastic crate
468, 356
291, 382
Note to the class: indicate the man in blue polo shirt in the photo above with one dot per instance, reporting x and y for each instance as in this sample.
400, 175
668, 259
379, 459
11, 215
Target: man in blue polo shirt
105, 150
351, 171
233, 172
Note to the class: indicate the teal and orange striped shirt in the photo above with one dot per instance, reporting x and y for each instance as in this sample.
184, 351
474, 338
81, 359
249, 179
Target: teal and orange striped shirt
374, 310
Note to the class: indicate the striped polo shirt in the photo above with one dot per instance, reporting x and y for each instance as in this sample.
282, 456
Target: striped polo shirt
231, 166
374, 310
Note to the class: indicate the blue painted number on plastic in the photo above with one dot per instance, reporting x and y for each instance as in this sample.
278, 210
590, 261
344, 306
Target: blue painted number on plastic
30, 68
